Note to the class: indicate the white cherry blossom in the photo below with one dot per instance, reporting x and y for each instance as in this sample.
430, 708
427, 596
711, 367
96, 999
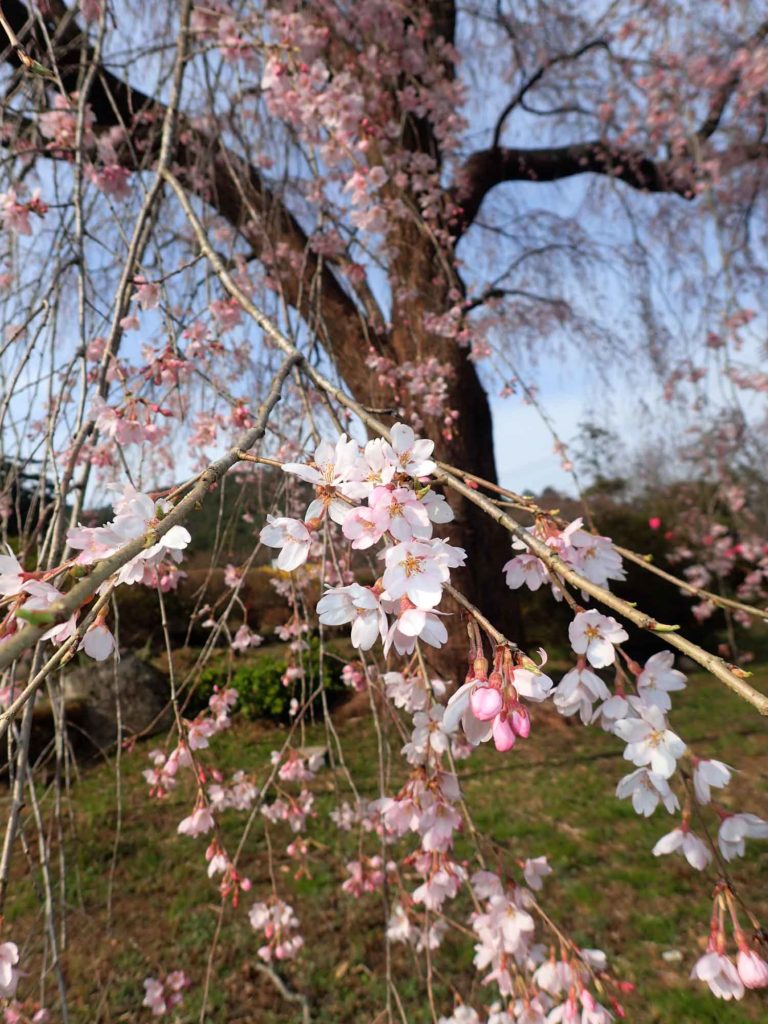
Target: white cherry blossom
438, 509
533, 686
11, 579
595, 635
650, 741
720, 974
358, 605
416, 570
708, 775
412, 454
595, 557
735, 829
647, 789
292, 536
577, 692
9, 974
525, 570
682, 840
658, 679
413, 624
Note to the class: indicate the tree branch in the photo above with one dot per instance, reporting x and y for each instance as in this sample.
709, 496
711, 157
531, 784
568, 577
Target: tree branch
452, 478
232, 186
536, 77
487, 168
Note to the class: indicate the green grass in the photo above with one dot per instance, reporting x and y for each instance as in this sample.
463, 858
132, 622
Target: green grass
553, 794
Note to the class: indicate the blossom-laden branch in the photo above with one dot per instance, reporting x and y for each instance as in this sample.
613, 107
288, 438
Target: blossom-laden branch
62, 607
717, 666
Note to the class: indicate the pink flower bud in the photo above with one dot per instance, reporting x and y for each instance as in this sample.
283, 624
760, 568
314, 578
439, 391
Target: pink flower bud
521, 723
753, 970
485, 703
503, 734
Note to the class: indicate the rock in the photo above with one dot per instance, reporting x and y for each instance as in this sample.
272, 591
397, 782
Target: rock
143, 693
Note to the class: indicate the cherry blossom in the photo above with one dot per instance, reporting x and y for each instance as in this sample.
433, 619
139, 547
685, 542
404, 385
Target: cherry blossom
720, 974
333, 466
594, 635
752, 969
417, 570
98, 643
525, 570
278, 922
709, 774
735, 829
198, 823
292, 536
650, 741
400, 513
412, 454
413, 624
578, 691
9, 974
658, 679
682, 840
358, 605
245, 638
11, 575
647, 790
534, 870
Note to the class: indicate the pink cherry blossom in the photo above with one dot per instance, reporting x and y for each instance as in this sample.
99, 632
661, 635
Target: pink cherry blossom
720, 974
534, 870
198, 823
752, 969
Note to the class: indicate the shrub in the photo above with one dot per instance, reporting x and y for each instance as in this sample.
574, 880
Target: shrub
260, 688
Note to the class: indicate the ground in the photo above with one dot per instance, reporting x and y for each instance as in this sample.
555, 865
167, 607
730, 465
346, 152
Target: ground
140, 904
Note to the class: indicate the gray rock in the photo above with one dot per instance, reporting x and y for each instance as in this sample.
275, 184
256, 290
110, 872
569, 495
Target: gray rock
95, 689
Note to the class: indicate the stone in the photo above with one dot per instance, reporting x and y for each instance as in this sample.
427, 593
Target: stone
94, 689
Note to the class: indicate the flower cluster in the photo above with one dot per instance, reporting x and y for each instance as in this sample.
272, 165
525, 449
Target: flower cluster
398, 510
278, 922
489, 706
726, 979
594, 557
160, 996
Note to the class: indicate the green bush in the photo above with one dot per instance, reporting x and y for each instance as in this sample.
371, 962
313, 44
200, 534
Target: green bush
260, 689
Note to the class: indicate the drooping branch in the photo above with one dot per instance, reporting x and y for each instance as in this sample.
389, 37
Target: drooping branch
84, 590
232, 186
450, 478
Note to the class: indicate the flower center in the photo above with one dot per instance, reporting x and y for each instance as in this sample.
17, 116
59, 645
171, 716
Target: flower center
413, 565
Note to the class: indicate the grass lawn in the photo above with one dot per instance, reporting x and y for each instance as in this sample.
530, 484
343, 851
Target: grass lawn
139, 902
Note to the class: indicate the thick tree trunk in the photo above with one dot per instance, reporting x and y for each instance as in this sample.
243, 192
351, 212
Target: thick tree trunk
417, 269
